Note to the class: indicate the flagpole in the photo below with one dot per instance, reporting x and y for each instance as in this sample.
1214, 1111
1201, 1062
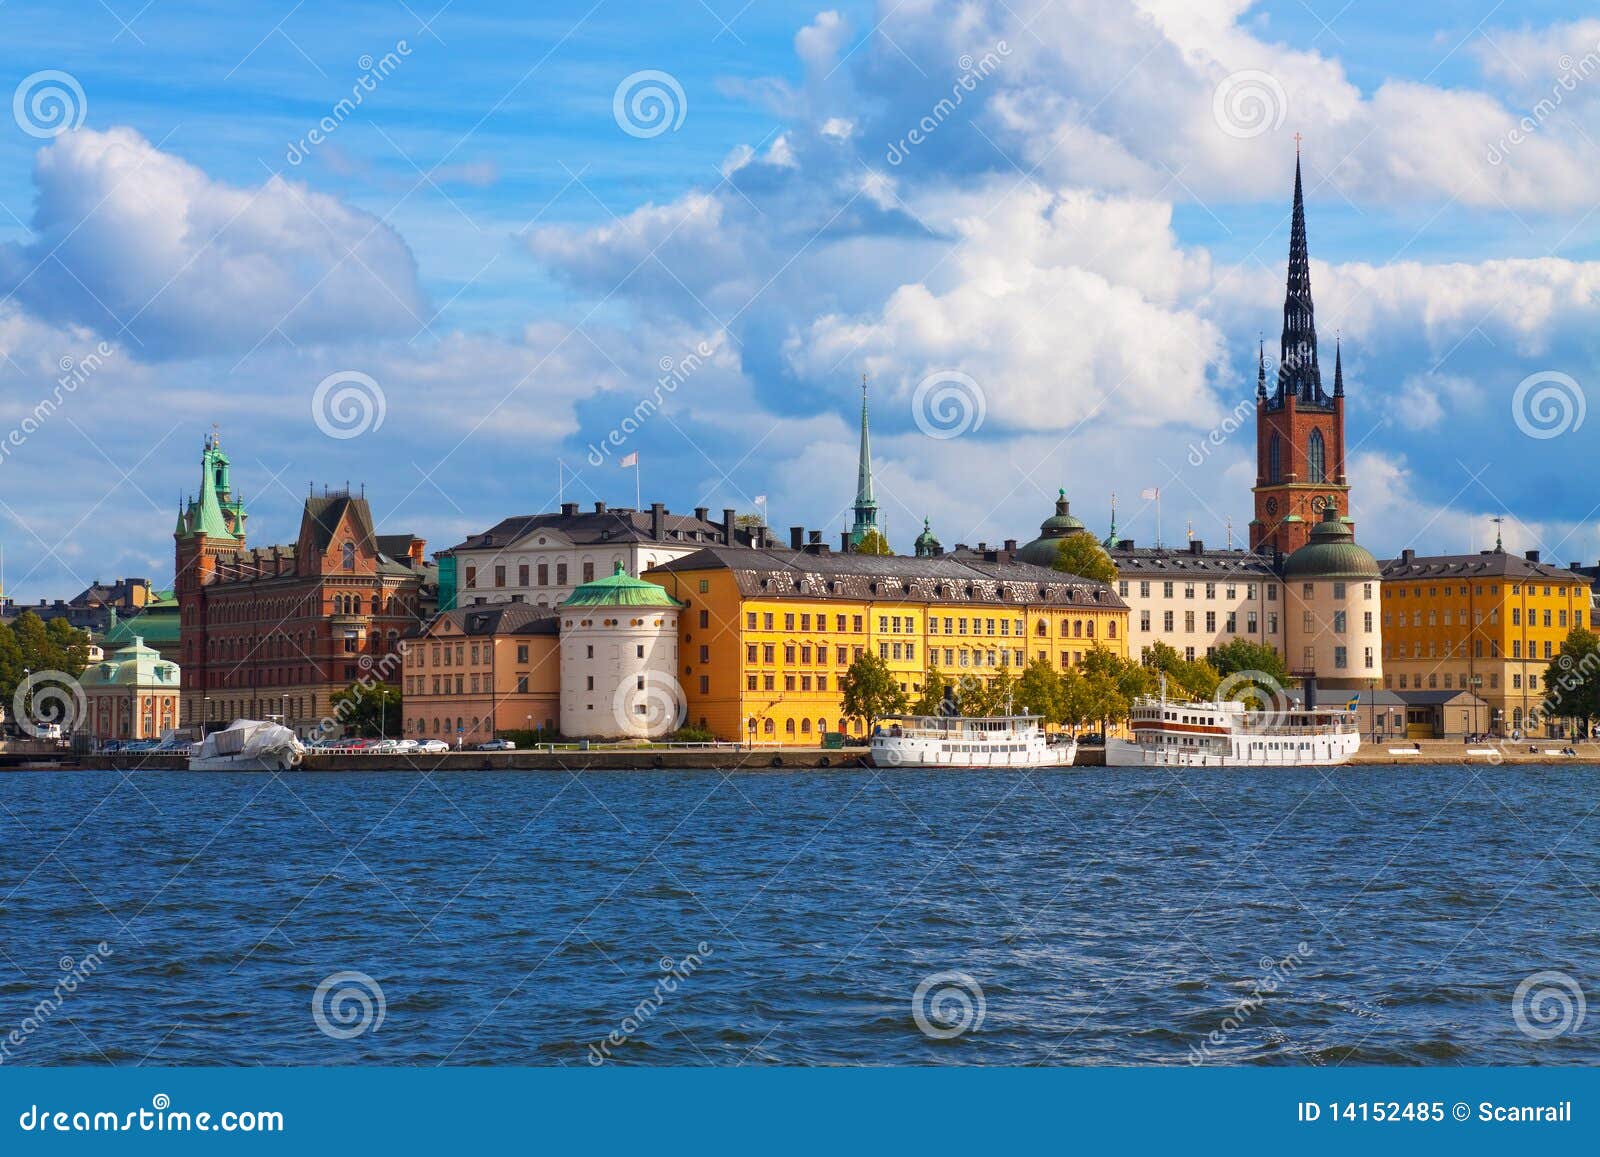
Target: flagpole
636, 491
561, 482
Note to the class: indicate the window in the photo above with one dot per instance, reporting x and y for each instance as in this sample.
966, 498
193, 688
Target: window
544, 574
522, 574
588, 572
1316, 458
500, 576
349, 556
1274, 459
705, 620
561, 574
1338, 622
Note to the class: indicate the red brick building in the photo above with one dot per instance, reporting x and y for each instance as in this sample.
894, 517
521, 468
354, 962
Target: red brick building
278, 630
1300, 467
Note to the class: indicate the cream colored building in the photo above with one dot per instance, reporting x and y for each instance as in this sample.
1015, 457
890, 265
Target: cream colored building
1196, 600
619, 660
542, 558
1332, 599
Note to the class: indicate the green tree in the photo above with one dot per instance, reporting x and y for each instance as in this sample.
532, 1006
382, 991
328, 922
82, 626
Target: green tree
1081, 555
1572, 680
69, 647
368, 711
871, 691
1077, 707
935, 686
10, 666
1040, 692
1111, 684
1186, 678
873, 542
999, 694
1242, 657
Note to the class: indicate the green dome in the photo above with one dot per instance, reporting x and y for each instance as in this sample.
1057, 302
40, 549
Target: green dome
1042, 550
1332, 553
926, 545
619, 590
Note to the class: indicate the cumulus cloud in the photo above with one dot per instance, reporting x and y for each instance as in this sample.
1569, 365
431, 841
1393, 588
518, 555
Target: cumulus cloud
133, 240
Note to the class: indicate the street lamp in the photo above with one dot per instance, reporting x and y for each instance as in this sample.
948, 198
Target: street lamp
1474, 682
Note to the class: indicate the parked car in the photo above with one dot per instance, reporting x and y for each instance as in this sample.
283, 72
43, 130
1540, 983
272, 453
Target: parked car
404, 745
433, 746
497, 745
1091, 739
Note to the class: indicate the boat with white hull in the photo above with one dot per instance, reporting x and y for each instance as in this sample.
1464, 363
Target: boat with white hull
1169, 733
1016, 742
247, 745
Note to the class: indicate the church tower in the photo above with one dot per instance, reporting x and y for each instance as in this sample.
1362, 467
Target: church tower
866, 507
209, 527
1300, 467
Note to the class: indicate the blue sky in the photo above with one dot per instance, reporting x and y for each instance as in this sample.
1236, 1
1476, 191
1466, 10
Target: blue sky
1086, 246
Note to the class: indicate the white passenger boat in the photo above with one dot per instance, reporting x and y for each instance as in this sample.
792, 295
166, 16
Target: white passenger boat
247, 745
958, 741
1169, 733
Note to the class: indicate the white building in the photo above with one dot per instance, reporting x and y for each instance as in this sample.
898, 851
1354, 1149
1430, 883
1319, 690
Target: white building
542, 558
1196, 600
619, 660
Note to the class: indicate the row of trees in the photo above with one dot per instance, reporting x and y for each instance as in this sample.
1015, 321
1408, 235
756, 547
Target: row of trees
1101, 690
29, 645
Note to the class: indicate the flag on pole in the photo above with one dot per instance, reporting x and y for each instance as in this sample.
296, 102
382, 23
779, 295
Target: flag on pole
761, 499
1150, 492
628, 460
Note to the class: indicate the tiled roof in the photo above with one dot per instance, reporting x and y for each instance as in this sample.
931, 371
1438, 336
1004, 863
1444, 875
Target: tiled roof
500, 619
1167, 562
1484, 564
591, 527
777, 573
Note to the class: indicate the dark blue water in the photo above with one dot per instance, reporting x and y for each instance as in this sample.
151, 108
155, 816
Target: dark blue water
1108, 917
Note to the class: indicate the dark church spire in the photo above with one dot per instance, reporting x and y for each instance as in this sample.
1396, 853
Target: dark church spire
1338, 368
1298, 373
1261, 367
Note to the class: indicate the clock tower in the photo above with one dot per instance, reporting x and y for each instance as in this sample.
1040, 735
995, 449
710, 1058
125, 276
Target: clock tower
1300, 467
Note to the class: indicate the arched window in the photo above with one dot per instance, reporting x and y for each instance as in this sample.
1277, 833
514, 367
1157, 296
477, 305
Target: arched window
1274, 459
1316, 458
349, 556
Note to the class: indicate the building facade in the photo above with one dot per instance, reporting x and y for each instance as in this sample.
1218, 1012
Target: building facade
1196, 600
1332, 630
472, 674
766, 635
132, 693
1489, 622
1300, 447
619, 660
542, 558
280, 630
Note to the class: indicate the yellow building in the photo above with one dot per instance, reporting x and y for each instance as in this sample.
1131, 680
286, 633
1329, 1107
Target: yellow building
766, 635
1488, 622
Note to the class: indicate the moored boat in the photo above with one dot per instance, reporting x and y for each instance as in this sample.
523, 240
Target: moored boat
247, 745
1171, 733
976, 743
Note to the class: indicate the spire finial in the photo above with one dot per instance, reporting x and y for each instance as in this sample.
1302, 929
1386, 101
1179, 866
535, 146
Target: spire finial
1297, 139
1499, 547
866, 505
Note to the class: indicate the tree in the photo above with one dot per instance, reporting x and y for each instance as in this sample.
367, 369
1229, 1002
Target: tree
873, 542
1190, 678
69, 647
935, 688
999, 694
10, 667
871, 691
368, 709
1111, 684
1242, 657
1572, 680
1040, 691
1081, 555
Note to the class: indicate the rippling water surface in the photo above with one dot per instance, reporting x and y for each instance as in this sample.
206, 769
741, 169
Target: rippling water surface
1100, 916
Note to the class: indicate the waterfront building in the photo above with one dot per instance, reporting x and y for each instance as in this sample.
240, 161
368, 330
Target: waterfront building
474, 673
132, 693
766, 634
542, 558
1042, 550
92, 609
279, 630
866, 505
1196, 600
1488, 622
1332, 633
619, 660
156, 622
1300, 447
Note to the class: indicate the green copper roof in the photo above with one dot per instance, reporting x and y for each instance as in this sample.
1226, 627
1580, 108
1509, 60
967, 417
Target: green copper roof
866, 505
620, 590
134, 665
1042, 550
926, 543
1332, 553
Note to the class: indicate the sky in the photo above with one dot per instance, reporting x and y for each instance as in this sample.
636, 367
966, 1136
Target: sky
469, 258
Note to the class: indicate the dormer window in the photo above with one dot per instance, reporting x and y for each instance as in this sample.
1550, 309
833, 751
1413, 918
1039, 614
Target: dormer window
349, 552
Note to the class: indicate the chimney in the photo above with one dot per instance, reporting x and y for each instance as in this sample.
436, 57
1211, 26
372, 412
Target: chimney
1407, 555
1531, 556
989, 555
797, 537
569, 510
1196, 546
1573, 565
701, 512
1011, 546
844, 542
815, 537
418, 552
1124, 544
599, 507
729, 525
658, 519
983, 548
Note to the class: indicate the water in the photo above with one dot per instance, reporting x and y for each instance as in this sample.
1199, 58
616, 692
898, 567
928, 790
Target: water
1108, 916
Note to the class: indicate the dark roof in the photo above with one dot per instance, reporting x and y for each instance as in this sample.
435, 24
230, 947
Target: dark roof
325, 513
502, 619
779, 573
120, 591
1188, 561
1431, 698
606, 525
1484, 564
